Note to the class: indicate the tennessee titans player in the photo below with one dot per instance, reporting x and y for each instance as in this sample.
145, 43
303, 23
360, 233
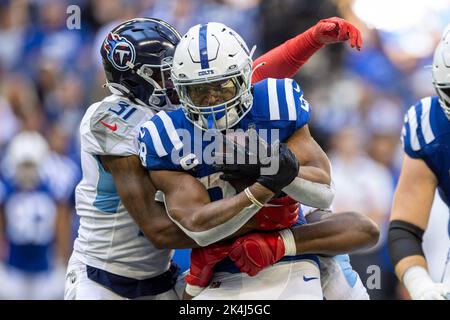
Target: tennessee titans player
211, 71
426, 167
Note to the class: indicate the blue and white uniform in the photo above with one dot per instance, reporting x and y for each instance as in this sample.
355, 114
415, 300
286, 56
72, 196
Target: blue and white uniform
112, 259
29, 270
168, 138
426, 136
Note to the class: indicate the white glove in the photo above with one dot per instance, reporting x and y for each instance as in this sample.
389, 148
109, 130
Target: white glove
421, 287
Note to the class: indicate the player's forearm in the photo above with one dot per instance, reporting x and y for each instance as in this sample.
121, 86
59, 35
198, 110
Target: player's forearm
336, 234
405, 246
63, 227
219, 212
221, 219
311, 187
408, 262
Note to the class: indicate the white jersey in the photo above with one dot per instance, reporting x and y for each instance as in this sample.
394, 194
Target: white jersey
108, 238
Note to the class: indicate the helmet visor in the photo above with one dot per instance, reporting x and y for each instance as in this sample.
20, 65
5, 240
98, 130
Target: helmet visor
212, 93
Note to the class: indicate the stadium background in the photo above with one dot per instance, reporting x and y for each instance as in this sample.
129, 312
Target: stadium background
49, 75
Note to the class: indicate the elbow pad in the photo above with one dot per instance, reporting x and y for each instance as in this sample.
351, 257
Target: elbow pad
404, 239
313, 194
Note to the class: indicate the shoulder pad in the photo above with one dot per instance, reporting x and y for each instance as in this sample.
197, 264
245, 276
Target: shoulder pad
280, 100
418, 128
159, 138
113, 126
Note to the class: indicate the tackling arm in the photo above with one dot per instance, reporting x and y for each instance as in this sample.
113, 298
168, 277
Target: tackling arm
137, 194
328, 234
335, 233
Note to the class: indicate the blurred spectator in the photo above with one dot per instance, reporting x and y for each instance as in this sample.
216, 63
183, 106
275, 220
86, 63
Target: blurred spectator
34, 224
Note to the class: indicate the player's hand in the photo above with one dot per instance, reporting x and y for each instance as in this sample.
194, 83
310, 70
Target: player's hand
431, 291
285, 162
422, 287
242, 156
203, 261
336, 29
278, 214
254, 252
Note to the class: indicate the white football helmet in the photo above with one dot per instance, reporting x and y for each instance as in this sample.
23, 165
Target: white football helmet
441, 71
211, 72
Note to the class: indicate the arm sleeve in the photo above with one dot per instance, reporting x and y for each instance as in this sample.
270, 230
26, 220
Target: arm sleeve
285, 60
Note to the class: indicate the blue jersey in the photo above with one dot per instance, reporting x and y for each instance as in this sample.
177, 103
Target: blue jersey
30, 223
278, 111
426, 136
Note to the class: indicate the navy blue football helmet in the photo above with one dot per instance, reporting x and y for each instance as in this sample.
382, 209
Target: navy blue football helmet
137, 56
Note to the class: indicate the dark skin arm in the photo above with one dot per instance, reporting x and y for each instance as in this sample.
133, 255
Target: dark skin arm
337, 233
137, 193
62, 232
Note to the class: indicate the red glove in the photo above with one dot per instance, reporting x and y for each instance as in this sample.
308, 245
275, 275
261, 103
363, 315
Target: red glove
279, 214
334, 30
253, 252
203, 261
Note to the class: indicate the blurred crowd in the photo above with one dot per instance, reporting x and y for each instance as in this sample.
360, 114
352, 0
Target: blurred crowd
50, 74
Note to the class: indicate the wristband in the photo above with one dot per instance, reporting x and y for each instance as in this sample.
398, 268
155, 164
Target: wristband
252, 198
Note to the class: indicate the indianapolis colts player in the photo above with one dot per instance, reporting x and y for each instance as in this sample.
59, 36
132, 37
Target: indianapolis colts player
33, 222
212, 71
111, 257
426, 166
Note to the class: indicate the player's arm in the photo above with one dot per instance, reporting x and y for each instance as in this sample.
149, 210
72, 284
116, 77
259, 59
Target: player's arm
189, 206
63, 231
285, 60
335, 233
409, 218
325, 233
138, 195
312, 186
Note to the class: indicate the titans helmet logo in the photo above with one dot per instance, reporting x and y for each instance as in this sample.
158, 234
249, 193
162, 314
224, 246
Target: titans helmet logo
120, 51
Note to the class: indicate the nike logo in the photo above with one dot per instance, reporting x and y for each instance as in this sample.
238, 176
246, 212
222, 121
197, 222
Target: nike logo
110, 126
306, 279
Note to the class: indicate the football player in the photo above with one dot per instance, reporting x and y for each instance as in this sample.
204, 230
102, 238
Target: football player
34, 222
425, 168
123, 246
211, 71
